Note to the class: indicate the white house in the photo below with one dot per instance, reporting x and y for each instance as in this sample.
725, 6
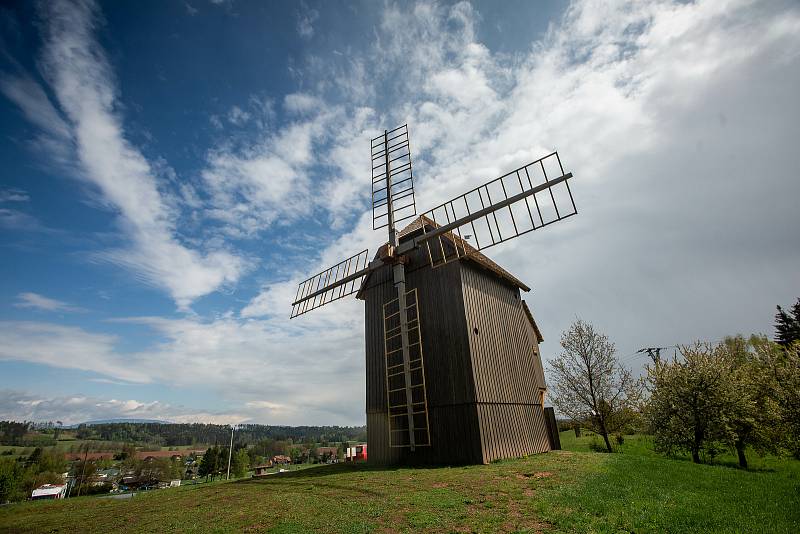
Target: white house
50, 491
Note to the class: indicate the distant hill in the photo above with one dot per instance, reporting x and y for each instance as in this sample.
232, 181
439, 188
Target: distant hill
113, 421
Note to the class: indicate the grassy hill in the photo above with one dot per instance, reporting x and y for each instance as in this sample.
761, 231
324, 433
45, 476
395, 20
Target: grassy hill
566, 491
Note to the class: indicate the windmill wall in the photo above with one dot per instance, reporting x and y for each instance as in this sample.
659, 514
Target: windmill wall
483, 389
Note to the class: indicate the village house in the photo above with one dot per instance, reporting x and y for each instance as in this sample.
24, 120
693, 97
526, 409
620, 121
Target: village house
49, 491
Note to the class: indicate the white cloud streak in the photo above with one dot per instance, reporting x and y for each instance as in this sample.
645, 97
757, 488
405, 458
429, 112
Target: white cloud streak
15, 405
40, 302
82, 80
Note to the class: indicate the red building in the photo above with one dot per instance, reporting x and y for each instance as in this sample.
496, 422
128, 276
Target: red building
357, 453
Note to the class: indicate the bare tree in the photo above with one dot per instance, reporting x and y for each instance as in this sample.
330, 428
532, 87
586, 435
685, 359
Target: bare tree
588, 383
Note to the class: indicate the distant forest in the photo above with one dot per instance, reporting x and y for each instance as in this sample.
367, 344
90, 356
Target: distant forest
174, 434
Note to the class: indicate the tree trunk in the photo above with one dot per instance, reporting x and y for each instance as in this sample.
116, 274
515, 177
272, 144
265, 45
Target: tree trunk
698, 441
740, 451
604, 433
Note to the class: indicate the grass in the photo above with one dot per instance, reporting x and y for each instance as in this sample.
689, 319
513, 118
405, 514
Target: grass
566, 491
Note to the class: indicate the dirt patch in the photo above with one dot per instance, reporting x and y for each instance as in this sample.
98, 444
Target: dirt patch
439, 485
538, 474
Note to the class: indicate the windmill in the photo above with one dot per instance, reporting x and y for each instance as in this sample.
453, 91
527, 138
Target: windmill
472, 351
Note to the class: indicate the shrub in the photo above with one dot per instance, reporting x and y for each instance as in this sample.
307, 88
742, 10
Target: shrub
596, 446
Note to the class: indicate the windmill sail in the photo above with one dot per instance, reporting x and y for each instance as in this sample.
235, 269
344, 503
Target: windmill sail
334, 283
392, 199
523, 200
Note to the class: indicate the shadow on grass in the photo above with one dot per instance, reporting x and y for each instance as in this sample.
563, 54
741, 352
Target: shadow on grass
337, 469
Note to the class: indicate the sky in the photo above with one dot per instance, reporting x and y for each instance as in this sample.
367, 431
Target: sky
172, 170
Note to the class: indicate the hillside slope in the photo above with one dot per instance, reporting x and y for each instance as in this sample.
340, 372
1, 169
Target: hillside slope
556, 492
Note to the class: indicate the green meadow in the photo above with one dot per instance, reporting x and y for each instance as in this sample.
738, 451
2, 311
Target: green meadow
573, 490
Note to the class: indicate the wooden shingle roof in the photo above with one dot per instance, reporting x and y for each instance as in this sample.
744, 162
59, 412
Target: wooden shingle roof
472, 254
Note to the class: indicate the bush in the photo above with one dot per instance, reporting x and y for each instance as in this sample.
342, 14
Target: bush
596, 446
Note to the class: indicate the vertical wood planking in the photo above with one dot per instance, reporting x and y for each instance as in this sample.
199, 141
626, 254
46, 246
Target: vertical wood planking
482, 390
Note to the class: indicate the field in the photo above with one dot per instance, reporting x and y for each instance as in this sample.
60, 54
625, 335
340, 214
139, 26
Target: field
567, 491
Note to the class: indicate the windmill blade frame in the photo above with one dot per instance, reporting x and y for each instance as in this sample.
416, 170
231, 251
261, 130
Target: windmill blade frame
321, 289
514, 211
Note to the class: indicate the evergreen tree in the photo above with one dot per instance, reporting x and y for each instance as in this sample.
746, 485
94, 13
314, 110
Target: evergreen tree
240, 463
787, 325
209, 465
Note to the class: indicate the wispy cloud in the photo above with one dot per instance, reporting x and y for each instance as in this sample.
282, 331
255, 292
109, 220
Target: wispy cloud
640, 100
66, 347
13, 195
306, 20
82, 80
20, 406
40, 302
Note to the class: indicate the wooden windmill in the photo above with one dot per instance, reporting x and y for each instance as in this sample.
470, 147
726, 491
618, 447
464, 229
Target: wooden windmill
478, 392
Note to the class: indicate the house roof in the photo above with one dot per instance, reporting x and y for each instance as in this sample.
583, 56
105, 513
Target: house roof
48, 489
168, 454
529, 315
472, 253
70, 456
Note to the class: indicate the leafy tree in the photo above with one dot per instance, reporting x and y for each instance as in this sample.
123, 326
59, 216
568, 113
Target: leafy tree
782, 378
240, 463
754, 415
589, 384
691, 400
787, 325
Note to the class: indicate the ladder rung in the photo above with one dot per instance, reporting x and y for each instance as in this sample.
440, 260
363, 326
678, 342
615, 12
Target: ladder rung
409, 387
406, 413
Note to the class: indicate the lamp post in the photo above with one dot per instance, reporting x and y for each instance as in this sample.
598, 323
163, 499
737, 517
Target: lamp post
230, 452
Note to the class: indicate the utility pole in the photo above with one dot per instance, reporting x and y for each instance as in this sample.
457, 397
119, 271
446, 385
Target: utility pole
83, 469
653, 352
230, 452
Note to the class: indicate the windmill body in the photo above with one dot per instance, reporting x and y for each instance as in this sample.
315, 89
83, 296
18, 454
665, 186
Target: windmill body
453, 368
484, 384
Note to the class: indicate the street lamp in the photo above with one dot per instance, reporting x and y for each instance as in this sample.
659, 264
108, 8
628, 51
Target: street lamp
230, 452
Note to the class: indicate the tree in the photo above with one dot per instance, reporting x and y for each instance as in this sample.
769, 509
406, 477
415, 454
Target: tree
589, 384
754, 417
691, 400
240, 463
787, 325
782, 378
210, 464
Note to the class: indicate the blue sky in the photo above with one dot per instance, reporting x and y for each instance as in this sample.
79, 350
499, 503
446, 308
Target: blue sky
173, 169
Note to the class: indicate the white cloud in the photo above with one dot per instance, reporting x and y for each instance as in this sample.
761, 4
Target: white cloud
18, 220
305, 23
258, 364
665, 112
81, 78
15, 405
66, 347
678, 121
238, 116
13, 195
40, 302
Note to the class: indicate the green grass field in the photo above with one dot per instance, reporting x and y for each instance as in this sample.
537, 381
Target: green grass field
574, 490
